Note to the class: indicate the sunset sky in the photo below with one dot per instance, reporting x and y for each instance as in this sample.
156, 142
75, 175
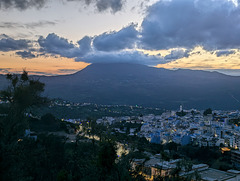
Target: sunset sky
50, 37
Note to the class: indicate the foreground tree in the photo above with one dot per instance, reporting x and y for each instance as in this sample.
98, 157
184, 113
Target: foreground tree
21, 94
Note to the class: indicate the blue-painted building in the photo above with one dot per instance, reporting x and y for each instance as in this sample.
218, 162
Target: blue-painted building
186, 139
155, 138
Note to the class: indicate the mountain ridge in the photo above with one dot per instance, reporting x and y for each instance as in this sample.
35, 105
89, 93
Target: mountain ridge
131, 84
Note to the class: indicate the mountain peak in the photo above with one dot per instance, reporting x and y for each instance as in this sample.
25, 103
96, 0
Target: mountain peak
131, 84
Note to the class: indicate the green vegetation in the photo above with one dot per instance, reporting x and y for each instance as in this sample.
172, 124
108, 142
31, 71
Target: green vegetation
181, 114
48, 123
235, 121
207, 111
211, 156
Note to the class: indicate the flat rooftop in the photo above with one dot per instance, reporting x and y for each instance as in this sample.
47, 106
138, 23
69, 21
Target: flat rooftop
213, 174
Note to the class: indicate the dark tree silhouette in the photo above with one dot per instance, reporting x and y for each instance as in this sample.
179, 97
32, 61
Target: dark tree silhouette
207, 111
22, 93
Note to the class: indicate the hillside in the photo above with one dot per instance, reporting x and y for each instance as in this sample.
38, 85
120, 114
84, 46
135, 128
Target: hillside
142, 85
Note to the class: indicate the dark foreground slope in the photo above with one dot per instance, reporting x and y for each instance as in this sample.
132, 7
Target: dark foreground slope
138, 84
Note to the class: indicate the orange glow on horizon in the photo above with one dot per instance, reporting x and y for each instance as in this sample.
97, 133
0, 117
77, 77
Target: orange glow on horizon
39, 66
201, 59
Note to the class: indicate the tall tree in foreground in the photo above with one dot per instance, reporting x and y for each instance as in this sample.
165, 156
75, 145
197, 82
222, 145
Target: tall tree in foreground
21, 94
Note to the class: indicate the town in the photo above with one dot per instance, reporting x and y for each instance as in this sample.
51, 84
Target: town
204, 129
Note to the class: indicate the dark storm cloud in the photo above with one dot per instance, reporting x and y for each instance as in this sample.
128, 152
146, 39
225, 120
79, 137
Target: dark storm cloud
85, 51
21, 4
224, 52
103, 5
26, 54
84, 46
114, 5
177, 54
53, 44
9, 44
125, 38
124, 57
187, 23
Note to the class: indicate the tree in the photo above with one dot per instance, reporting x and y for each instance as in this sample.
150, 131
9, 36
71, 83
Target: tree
181, 114
106, 160
48, 118
22, 93
207, 111
107, 155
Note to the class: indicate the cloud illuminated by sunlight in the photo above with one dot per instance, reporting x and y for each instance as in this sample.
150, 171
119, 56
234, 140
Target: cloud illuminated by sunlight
201, 59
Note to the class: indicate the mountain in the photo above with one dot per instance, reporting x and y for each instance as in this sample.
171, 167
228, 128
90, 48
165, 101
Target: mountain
134, 84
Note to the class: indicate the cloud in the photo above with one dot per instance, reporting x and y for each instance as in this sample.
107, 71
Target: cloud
2, 36
177, 54
122, 57
68, 70
123, 39
84, 46
84, 51
224, 52
42, 23
9, 44
26, 54
105, 48
232, 72
10, 25
22, 4
101, 5
114, 5
32, 25
213, 24
5, 70
53, 44
104, 5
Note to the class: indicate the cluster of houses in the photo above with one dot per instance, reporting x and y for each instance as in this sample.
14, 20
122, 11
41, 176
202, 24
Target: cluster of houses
193, 128
156, 166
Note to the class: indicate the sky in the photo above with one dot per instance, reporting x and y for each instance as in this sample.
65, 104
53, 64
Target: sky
54, 37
